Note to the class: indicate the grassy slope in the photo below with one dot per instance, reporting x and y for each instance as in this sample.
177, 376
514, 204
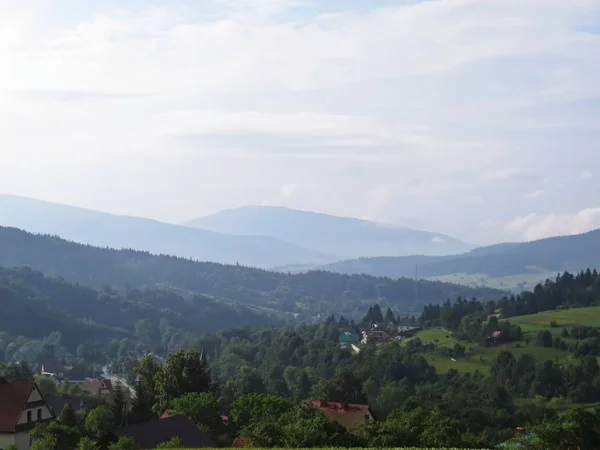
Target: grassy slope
480, 357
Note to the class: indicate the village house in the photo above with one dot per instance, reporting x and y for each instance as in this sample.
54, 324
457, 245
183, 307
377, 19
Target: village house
347, 338
240, 442
376, 336
407, 328
149, 435
54, 369
346, 414
22, 406
97, 386
497, 336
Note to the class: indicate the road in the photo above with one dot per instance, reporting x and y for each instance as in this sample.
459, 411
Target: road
116, 378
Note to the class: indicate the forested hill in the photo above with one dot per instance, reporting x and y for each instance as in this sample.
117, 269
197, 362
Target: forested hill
34, 306
306, 294
571, 253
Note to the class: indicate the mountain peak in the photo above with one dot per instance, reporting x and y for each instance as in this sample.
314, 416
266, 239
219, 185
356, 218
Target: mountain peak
341, 237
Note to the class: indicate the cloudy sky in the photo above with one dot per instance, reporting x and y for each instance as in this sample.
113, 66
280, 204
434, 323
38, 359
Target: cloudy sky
477, 118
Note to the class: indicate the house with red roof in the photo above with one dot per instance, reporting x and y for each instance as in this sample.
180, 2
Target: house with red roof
240, 442
497, 336
347, 414
22, 406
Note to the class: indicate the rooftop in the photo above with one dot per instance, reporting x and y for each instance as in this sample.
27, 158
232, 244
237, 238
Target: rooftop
348, 414
150, 434
13, 398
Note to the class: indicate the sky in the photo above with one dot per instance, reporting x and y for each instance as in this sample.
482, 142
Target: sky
476, 118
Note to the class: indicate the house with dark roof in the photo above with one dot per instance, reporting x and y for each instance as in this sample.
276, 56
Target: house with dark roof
56, 403
347, 414
97, 386
22, 406
149, 435
54, 369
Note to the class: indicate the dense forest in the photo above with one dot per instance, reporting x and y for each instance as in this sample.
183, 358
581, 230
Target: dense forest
551, 254
34, 306
304, 294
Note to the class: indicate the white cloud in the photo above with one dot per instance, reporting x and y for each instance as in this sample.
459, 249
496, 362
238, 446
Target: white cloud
438, 240
440, 104
300, 123
380, 195
535, 226
586, 175
535, 194
475, 199
288, 190
487, 223
504, 174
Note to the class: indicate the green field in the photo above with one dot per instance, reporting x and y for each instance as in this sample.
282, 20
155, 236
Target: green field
480, 357
564, 317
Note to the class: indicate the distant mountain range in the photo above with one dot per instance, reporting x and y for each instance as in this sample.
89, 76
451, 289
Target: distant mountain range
109, 230
340, 237
556, 254
265, 237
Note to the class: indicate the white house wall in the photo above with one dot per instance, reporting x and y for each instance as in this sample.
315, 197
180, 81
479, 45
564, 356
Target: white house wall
35, 396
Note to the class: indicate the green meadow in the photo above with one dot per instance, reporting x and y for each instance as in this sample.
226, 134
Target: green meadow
480, 357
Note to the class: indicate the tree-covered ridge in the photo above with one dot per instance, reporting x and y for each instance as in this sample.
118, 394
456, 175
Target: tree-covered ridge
551, 254
305, 294
34, 306
566, 290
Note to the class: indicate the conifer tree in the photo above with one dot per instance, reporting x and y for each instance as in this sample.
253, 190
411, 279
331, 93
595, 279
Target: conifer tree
118, 404
67, 416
